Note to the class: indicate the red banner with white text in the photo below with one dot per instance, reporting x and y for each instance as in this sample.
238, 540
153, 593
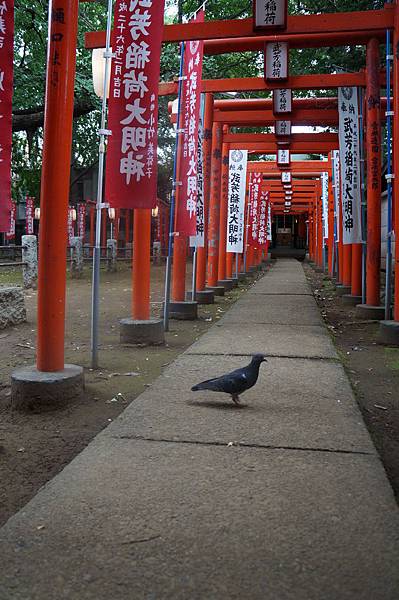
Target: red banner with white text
29, 215
10, 235
131, 169
255, 180
81, 220
186, 220
6, 87
263, 219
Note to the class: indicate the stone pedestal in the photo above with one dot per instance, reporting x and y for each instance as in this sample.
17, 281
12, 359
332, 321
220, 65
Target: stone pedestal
184, 311
12, 306
37, 391
242, 276
29, 258
343, 290
226, 283
76, 257
111, 256
388, 333
350, 300
217, 290
235, 282
202, 296
373, 313
148, 333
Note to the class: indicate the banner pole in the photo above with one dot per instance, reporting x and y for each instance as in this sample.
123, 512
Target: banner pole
99, 204
168, 273
194, 276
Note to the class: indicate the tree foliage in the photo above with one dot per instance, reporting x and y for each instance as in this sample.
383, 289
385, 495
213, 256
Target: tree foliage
31, 21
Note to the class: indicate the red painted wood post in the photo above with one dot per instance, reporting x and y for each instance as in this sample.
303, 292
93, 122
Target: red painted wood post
356, 278
396, 159
207, 157
141, 264
373, 158
214, 206
54, 197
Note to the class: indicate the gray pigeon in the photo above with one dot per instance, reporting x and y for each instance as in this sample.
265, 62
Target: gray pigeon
236, 382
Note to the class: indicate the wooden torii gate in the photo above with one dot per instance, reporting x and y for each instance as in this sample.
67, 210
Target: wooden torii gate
353, 28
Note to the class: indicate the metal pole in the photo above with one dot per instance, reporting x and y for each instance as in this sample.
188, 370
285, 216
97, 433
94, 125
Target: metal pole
99, 205
194, 276
172, 201
388, 263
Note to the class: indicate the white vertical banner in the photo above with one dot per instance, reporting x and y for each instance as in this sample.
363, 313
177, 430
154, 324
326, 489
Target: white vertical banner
350, 165
198, 240
324, 197
236, 200
337, 191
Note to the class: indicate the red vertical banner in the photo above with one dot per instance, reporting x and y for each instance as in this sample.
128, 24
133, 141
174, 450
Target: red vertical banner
263, 219
71, 225
254, 206
29, 215
6, 87
131, 170
10, 235
186, 220
81, 220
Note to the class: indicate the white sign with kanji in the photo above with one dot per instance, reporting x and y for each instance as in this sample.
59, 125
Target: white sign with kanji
350, 165
236, 200
286, 177
276, 61
337, 191
270, 14
282, 101
324, 197
283, 157
282, 127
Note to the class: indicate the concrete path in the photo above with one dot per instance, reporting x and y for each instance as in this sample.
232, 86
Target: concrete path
186, 497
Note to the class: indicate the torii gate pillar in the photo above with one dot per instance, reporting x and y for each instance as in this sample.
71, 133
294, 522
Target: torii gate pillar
51, 382
214, 210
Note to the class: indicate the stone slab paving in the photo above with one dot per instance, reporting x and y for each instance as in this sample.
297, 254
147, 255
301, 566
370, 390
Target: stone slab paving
185, 496
273, 309
138, 520
310, 341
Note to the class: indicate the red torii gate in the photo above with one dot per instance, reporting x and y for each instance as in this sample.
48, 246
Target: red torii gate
363, 27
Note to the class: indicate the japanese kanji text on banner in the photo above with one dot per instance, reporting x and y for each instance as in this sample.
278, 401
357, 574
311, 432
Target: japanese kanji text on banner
131, 170
29, 215
255, 180
186, 220
324, 196
6, 86
337, 191
198, 240
236, 200
350, 165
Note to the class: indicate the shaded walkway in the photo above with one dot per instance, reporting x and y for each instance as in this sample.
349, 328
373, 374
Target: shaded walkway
187, 497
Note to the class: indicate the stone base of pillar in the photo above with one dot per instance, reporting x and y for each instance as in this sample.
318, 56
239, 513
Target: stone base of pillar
149, 332
218, 290
202, 296
350, 300
343, 290
183, 311
388, 333
37, 391
373, 313
242, 276
235, 282
226, 283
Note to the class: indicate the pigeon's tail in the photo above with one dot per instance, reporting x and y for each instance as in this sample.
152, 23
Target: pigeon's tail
210, 384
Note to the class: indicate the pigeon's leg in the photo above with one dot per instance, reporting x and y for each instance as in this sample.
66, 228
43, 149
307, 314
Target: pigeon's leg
236, 399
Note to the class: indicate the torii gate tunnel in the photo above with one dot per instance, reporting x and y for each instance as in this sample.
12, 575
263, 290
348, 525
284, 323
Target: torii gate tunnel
366, 28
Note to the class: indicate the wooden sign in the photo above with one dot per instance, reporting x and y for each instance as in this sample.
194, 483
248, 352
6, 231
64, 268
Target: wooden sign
283, 157
286, 177
282, 101
270, 14
282, 128
276, 61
